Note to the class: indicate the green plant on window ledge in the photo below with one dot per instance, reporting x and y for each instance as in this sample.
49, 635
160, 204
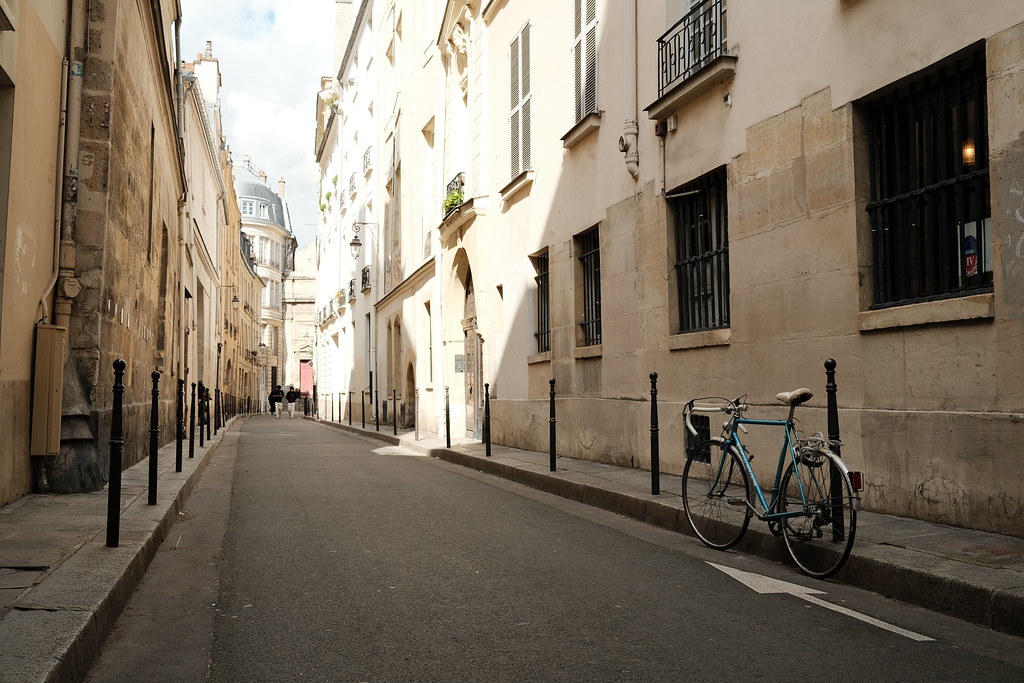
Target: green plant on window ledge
453, 201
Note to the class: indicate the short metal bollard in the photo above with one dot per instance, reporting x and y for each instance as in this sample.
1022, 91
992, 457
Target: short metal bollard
191, 427
207, 413
551, 424
116, 445
362, 407
350, 408
154, 437
394, 410
180, 424
487, 419
447, 421
835, 478
655, 455
199, 417
376, 408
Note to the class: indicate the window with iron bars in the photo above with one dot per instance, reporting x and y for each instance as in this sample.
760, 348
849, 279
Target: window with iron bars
588, 253
929, 204
700, 224
543, 311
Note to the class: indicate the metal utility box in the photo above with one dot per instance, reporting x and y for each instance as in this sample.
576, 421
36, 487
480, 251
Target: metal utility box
48, 389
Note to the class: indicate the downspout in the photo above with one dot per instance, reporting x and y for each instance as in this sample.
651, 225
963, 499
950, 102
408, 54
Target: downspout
69, 286
628, 141
58, 202
182, 201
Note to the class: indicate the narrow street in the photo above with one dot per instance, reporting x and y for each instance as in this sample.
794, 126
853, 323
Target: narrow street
309, 554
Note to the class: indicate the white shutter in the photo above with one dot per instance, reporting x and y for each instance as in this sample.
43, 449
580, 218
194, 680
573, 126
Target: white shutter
519, 117
585, 57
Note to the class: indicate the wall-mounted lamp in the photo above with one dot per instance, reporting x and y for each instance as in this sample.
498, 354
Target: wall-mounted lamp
968, 151
355, 245
235, 303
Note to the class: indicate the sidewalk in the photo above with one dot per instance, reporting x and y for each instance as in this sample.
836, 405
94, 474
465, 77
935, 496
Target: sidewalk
62, 589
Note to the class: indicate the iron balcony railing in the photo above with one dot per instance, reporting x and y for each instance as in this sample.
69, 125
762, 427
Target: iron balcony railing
692, 43
365, 278
352, 184
454, 194
352, 288
367, 161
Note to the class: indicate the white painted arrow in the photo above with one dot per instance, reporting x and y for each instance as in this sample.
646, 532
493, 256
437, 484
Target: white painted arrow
766, 584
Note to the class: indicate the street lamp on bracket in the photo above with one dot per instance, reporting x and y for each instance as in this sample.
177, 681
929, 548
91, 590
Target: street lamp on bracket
235, 303
355, 245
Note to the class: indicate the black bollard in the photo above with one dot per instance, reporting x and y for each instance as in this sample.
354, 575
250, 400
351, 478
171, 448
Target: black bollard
487, 419
416, 413
362, 407
191, 427
180, 424
655, 455
349, 396
216, 410
199, 417
447, 420
394, 410
154, 437
116, 444
835, 477
376, 408
551, 427
207, 414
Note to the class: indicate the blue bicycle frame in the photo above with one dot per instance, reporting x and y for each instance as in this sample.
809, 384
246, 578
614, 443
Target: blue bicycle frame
733, 439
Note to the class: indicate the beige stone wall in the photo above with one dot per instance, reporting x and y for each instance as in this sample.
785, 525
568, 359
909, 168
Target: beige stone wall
30, 71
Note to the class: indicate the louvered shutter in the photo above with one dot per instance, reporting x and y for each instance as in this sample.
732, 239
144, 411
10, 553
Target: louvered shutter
519, 118
585, 57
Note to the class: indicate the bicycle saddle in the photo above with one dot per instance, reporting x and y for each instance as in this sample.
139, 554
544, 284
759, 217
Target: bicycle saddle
795, 397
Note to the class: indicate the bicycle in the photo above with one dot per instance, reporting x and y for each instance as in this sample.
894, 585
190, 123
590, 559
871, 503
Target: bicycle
813, 503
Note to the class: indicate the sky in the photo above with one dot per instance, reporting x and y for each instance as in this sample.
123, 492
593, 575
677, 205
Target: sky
272, 55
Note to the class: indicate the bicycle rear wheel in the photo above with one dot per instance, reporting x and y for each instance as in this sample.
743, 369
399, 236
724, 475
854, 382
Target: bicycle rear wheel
716, 492
819, 540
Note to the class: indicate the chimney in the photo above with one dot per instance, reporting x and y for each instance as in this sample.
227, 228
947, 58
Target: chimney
280, 187
209, 49
262, 175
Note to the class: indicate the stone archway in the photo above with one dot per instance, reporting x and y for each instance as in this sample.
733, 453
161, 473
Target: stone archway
409, 402
473, 361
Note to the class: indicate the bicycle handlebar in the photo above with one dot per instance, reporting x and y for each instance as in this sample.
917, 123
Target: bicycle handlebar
734, 408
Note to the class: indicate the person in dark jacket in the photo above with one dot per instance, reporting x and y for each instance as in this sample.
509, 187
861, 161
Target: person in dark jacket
276, 397
292, 396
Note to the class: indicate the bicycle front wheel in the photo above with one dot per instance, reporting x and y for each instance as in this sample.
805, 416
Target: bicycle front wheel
716, 492
819, 539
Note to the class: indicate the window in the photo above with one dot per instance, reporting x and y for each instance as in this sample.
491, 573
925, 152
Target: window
929, 203
263, 210
700, 225
542, 323
588, 252
585, 57
520, 100
248, 207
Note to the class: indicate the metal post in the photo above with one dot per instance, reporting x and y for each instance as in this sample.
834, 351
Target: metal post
180, 424
835, 477
394, 410
116, 444
208, 420
447, 421
416, 412
202, 394
487, 419
216, 410
551, 428
350, 408
341, 415
655, 455
376, 408
191, 428
154, 437
362, 407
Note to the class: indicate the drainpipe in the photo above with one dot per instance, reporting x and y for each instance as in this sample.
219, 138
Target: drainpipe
69, 287
44, 300
628, 140
182, 201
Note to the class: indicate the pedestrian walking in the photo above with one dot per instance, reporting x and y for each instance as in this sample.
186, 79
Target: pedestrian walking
276, 397
292, 396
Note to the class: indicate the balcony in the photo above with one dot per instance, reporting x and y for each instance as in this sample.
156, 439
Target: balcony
692, 57
352, 289
454, 194
365, 279
352, 187
368, 160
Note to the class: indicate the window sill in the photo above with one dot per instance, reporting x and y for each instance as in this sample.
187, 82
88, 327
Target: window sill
543, 357
719, 70
518, 184
587, 351
977, 307
697, 340
585, 127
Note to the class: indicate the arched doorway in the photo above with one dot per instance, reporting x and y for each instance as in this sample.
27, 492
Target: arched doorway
474, 361
409, 402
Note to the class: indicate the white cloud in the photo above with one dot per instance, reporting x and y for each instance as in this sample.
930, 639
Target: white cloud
272, 55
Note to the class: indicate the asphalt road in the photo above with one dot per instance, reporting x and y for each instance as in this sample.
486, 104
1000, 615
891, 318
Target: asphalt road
343, 560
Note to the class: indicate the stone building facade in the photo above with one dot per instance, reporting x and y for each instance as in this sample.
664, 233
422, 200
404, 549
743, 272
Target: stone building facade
726, 196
